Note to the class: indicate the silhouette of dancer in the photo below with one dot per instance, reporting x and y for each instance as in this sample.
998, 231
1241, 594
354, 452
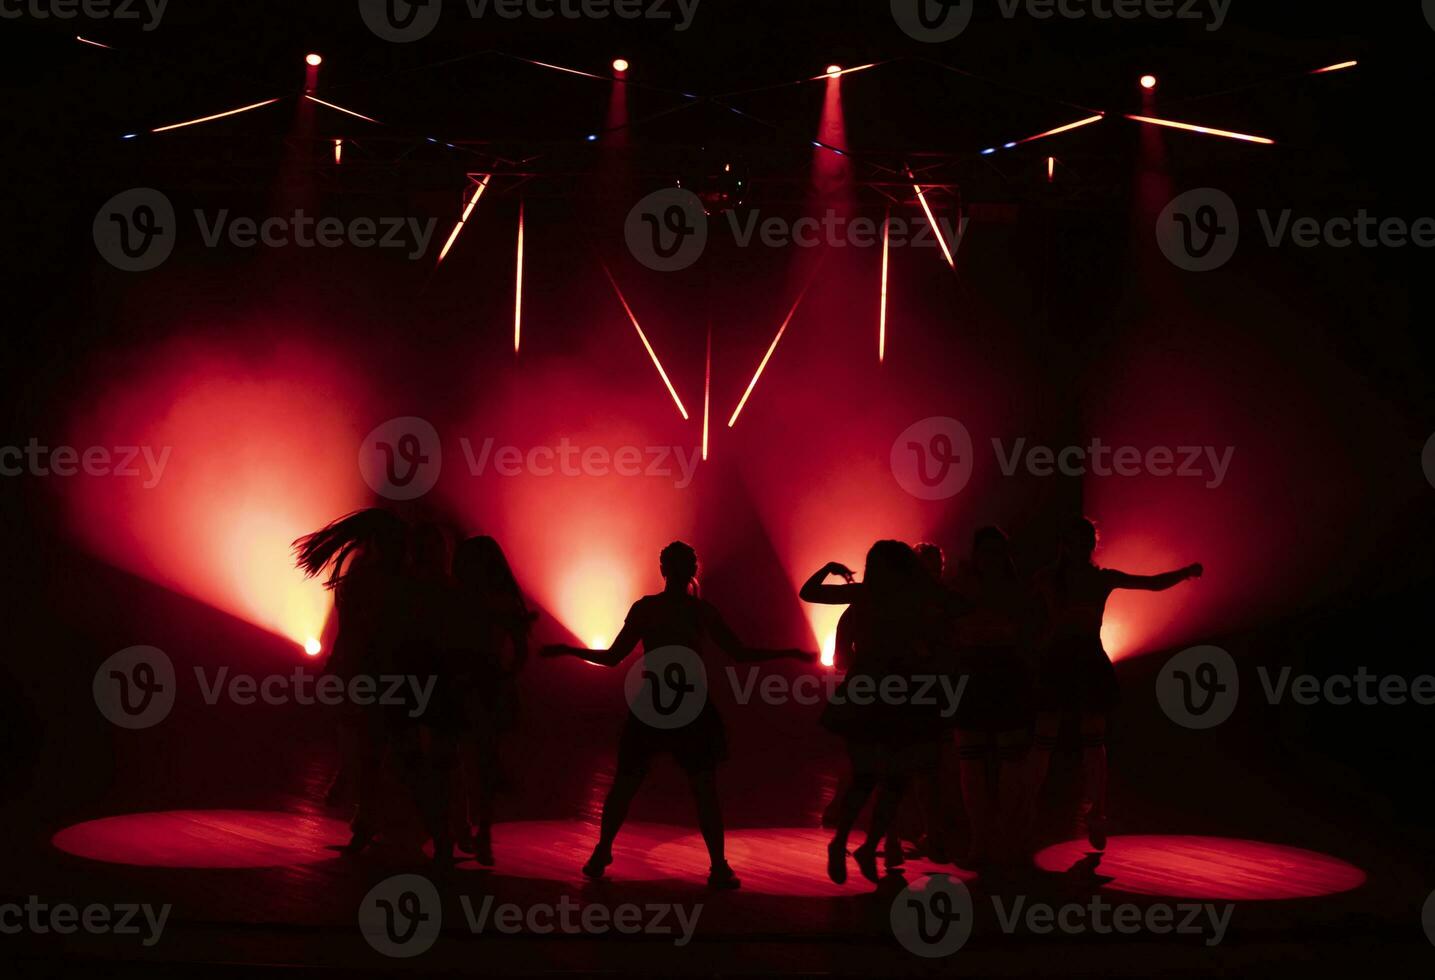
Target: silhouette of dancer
675, 617
365, 554
898, 614
994, 715
492, 646
1075, 676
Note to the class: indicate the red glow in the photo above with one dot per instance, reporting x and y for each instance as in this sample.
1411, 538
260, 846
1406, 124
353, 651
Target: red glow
313, 60
518, 288
1210, 868
205, 839
217, 115
217, 521
644, 338
468, 210
1148, 81
1190, 127
829, 649
351, 112
1340, 66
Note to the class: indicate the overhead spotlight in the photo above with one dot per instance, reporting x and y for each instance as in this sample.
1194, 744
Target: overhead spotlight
834, 69
313, 647
1148, 82
313, 60
620, 65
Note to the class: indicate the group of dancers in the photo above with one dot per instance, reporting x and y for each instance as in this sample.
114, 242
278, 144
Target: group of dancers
1026, 653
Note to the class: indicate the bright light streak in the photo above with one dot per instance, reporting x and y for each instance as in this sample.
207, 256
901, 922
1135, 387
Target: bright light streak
338, 151
932, 220
1050, 169
571, 71
1189, 127
837, 71
518, 288
707, 389
829, 649
96, 44
768, 356
882, 317
644, 338
1062, 129
1336, 67
217, 115
339, 108
453, 235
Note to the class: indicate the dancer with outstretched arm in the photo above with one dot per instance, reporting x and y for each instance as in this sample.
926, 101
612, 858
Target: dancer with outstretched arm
675, 617
1075, 678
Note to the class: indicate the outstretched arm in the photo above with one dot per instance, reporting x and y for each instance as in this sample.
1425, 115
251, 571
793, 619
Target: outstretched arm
1155, 583
626, 643
813, 590
727, 640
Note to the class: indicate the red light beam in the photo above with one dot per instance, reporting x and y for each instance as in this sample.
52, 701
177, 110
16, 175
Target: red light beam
1191, 127
707, 388
644, 338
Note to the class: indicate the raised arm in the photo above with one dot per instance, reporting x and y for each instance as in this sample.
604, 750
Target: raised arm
1154, 583
814, 590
